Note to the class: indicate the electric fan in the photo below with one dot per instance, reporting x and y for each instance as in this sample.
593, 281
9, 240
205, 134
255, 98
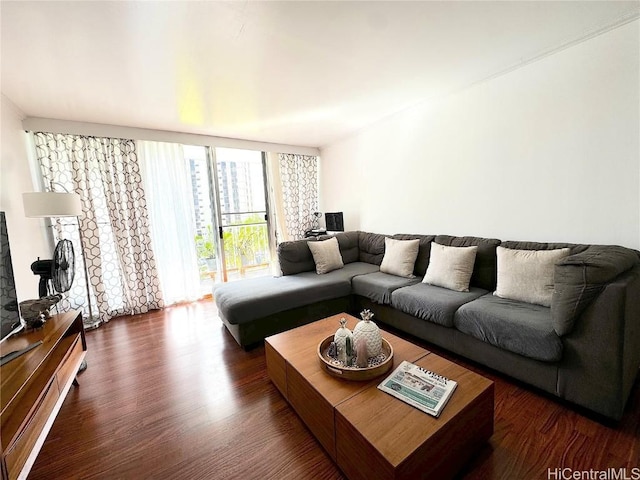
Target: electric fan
56, 275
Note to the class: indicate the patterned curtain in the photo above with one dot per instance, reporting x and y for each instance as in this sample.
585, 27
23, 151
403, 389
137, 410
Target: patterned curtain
115, 226
299, 181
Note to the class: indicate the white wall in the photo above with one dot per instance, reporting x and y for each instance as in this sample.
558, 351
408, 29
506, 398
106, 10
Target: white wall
548, 152
26, 235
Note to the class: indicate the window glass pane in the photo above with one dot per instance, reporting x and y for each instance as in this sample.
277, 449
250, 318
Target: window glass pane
241, 181
205, 237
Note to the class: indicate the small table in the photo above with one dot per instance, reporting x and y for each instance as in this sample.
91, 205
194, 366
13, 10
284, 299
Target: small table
368, 433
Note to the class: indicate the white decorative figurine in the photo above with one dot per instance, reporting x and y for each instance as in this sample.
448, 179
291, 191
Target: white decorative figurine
370, 332
340, 339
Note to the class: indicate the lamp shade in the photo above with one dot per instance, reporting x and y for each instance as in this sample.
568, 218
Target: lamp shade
51, 204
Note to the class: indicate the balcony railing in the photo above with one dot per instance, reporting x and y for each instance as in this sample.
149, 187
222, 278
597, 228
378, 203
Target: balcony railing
246, 248
246, 253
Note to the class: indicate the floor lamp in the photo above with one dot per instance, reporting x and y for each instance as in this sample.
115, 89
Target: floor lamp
61, 204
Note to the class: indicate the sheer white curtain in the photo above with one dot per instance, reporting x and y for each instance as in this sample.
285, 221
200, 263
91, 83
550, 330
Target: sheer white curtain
167, 183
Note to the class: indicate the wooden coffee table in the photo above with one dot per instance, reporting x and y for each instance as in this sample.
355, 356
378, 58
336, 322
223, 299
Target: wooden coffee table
368, 433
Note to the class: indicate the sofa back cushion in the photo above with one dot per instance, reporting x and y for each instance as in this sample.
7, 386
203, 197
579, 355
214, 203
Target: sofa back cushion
580, 278
424, 251
518, 245
484, 270
348, 243
295, 256
371, 247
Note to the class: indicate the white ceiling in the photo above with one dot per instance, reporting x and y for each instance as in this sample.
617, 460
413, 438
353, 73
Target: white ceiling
298, 73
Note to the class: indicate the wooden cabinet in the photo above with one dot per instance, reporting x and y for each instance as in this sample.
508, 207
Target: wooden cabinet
34, 386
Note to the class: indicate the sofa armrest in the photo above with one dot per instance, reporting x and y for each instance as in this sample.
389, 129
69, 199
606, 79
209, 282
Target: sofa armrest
295, 257
579, 279
601, 355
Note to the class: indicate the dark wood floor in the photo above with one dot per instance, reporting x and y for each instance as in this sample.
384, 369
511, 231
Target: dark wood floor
171, 395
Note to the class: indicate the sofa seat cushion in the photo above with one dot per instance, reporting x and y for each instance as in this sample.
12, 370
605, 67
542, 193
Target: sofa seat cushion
378, 286
350, 270
435, 304
519, 327
251, 299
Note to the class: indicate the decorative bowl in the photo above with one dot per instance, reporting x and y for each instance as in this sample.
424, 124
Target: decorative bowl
354, 373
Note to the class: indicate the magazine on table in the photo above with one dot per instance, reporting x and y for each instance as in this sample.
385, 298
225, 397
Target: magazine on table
419, 388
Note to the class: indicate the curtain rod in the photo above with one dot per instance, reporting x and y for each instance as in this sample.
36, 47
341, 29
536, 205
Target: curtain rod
37, 124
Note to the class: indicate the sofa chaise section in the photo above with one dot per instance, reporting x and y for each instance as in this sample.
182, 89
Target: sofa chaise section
255, 308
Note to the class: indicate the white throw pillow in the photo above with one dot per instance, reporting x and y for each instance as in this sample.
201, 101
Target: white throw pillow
450, 267
527, 275
326, 255
399, 257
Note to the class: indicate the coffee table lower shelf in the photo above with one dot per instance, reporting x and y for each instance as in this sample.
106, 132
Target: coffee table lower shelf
369, 434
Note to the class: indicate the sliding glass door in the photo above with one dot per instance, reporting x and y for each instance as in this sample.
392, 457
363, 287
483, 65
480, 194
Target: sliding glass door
230, 207
206, 232
242, 213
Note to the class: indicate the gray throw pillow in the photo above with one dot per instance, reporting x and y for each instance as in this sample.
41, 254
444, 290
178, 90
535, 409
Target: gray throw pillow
527, 275
450, 267
326, 255
399, 257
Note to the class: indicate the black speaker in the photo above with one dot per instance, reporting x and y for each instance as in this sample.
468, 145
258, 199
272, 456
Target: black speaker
333, 222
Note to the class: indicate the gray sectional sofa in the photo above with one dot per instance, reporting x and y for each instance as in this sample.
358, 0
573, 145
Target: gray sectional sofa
584, 348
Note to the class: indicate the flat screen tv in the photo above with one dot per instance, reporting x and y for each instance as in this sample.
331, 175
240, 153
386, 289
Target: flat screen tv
334, 222
9, 313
